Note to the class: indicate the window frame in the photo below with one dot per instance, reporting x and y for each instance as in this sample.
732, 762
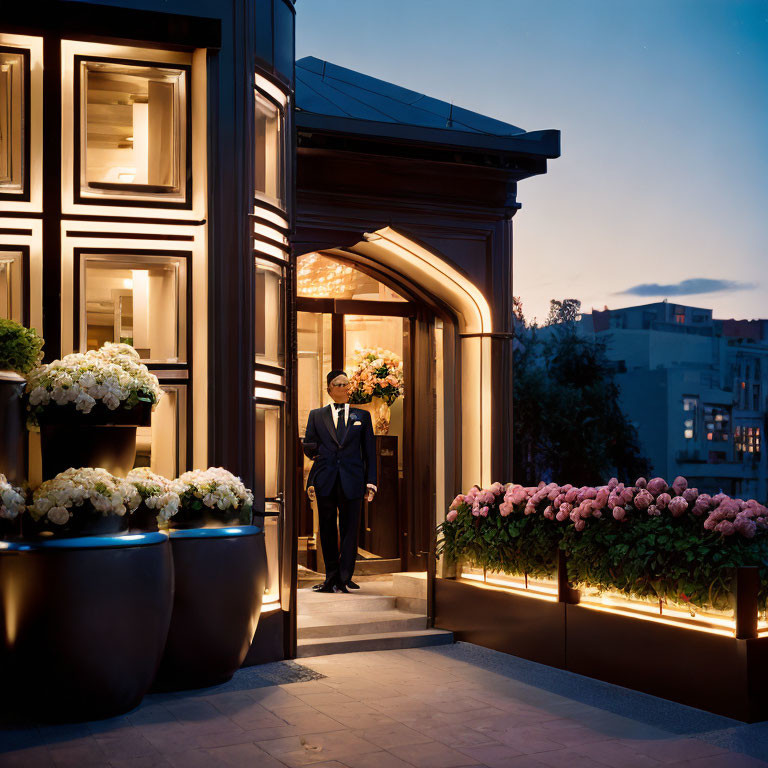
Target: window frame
260, 198
132, 198
23, 262
23, 195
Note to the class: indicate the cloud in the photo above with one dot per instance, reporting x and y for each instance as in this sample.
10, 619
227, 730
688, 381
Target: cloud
688, 287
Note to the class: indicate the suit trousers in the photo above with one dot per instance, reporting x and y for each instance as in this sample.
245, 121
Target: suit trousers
339, 561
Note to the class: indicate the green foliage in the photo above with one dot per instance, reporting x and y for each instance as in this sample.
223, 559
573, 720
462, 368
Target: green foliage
663, 558
20, 347
568, 420
517, 544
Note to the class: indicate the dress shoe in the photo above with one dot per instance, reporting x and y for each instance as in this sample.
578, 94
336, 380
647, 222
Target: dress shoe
324, 587
351, 585
340, 588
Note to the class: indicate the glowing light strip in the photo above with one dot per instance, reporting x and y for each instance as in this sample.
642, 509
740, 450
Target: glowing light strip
658, 620
270, 250
269, 378
268, 215
478, 581
272, 234
270, 88
514, 583
268, 394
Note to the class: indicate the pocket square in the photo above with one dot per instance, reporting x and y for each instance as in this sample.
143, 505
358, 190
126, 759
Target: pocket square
355, 423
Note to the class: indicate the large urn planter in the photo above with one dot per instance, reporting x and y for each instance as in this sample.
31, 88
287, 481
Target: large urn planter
83, 622
220, 576
101, 438
13, 432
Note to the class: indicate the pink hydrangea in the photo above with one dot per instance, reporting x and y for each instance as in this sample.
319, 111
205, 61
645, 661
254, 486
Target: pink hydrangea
677, 506
619, 513
657, 485
691, 494
484, 512
679, 484
579, 525
506, 508
662, 500
548, 513
643, 500
457, 501
451, 516
725, 527
641, 482
612, 483
601, 499
654, 511
496, 489
745, 526
571, 495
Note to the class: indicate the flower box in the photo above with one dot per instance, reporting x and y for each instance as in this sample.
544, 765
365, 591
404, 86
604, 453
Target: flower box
211, 498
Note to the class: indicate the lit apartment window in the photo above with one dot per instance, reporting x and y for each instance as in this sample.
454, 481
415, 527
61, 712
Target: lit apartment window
12, 110
690, 413
133, 125
11, 293
269, 330
747, 441
717, 423
269, 177
135, 299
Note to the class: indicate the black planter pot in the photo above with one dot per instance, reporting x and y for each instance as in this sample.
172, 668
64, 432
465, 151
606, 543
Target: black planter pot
86, 521
142, 519
13, 430
220, 575
101, 438
205, 517
83, 623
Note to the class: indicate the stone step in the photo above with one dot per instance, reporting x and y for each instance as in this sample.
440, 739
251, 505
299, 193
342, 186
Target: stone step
412, 605
410, 584
389, 641
310, 603
369, 623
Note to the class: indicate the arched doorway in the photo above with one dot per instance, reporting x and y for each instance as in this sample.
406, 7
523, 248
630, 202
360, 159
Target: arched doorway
389, 291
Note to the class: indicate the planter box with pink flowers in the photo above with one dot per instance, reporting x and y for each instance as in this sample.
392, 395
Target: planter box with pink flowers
678, 580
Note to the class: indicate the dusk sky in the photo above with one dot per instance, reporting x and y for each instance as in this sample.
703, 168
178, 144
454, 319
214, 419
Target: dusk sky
662, 187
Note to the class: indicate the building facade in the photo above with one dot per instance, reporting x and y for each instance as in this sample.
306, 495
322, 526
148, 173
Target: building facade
174, 180
695, 387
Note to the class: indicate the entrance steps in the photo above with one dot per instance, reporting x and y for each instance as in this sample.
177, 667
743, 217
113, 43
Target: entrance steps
384, 615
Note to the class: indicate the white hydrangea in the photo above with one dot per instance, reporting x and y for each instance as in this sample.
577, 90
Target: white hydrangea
216, 487
57, 499
112, 375
156, 492
11, 501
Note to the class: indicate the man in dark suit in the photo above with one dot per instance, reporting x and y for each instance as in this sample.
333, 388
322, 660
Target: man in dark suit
341, 443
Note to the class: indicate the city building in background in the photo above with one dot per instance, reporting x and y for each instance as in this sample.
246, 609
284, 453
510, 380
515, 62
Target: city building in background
696, 388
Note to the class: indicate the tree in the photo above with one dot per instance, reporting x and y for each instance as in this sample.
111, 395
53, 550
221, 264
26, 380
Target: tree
568, 422
565, 311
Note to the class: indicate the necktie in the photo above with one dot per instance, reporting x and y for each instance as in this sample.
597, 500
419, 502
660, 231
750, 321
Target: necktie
341, 427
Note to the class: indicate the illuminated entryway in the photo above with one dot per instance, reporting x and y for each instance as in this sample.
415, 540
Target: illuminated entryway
389, 291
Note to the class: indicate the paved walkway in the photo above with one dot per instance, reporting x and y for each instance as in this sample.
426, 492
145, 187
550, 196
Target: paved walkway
441, 707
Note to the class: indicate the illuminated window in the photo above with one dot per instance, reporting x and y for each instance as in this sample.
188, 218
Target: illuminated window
321, 277
717, 422
163, 445
11, 293
747, 441
269, 175
139, 300
133, 130
269, 328
269, 450
690, 412
12, 112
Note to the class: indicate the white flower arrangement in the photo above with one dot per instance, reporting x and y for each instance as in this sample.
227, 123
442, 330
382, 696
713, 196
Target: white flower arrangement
11, 501
379, 373
155, 491
215, 488
58, 499
111, 375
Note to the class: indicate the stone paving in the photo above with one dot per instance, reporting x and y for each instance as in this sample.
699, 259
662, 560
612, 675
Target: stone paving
442, 707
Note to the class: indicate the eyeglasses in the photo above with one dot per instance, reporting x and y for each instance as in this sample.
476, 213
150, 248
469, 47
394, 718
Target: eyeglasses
341, 384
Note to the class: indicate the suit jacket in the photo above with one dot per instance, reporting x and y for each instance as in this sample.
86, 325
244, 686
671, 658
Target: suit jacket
353, 460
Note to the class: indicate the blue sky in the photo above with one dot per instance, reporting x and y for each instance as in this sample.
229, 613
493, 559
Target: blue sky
663, 108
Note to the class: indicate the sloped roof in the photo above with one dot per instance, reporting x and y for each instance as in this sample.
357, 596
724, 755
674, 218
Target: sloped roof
326, 89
